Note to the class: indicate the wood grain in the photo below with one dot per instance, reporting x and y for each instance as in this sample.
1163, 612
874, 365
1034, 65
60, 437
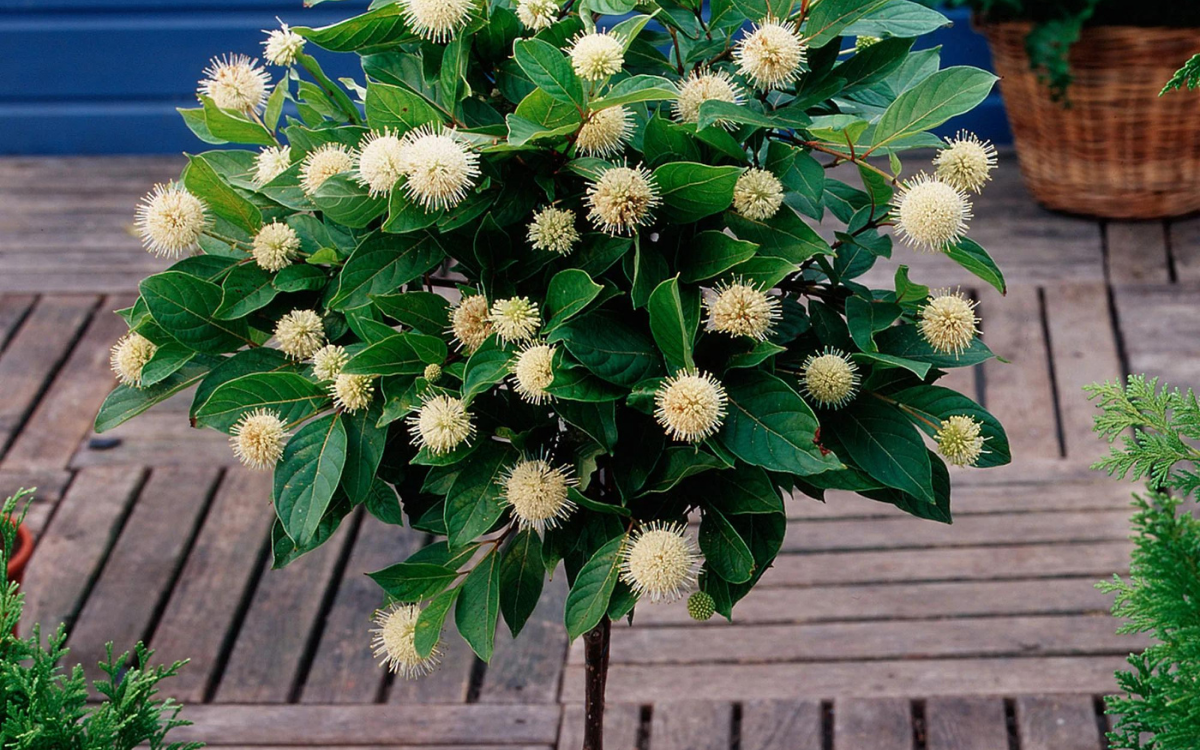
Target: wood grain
880, 724
1057, 723
691, 725
965, 724
1137, 252
622, 722
781, 725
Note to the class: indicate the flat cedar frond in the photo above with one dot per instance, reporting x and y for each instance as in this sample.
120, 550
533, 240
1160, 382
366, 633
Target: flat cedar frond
1186, 77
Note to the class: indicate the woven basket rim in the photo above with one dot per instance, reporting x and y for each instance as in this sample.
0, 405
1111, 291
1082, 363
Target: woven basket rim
981, 23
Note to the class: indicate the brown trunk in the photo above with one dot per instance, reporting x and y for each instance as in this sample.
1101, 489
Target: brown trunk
595, 654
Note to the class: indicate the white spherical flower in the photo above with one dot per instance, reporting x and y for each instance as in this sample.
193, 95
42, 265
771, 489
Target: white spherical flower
660, 561
441, 424
394, 642
553, 229
275, 246
329, 361
741, 309
771, 55
830, 379
469, 322
533, 372
258, 438
169, 220
322, 163
282, 46
436, 20
605, 131
300, 333
703, 87
129, 355
966, 163
537, 493
439, 166
948, 322
622, 200
931, 214
352, 392
379, 162
235, 82
537, 14
515, 319
270, 163
597, 56
960, 441
757, 195
690, 406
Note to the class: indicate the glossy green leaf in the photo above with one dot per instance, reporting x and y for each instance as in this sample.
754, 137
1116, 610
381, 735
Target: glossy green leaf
186, 306
413, 581
522, 574
884, 444
587, 602
400, 354
672, 330
943, 95
769, 425
478, 608
307, 475
381, 264
431, 621
724, 550
691, 191
290, 396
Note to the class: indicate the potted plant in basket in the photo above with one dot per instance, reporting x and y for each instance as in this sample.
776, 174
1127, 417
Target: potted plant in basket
550, 279
1079, 79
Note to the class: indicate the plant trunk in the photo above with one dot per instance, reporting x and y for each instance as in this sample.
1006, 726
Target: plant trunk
595, 654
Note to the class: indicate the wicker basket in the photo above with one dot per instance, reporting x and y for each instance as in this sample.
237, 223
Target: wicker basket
1119, 151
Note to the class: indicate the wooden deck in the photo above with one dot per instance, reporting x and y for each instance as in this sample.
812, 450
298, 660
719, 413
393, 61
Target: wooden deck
873, 631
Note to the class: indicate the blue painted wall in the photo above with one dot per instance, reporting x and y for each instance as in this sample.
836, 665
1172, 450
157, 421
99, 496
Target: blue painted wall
105, 76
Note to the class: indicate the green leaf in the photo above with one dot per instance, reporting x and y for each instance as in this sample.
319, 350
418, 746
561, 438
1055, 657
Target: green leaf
307, 475
400, 354
724, 550
691, 191
597, 419
920, 369
202, 181
968, 254
396, 108
522, 575
787, 118
380, 26
234, 126
906, 342
422, 311
381, 264
431, 621
247, 288
300, 278
292, 397
741, 491
884, 444
550, 71
898, 18
344, 200
570, 291
167, 359
260, 359
670, 325
937, 404
769, 425
711, 253
784, 235
186, 306
473, 502
830, 17
587, 601
125, 403
611, 349
635, 89
478, 607
486, 366
364, 450
864, 318
943, 95
413, 581
578, 384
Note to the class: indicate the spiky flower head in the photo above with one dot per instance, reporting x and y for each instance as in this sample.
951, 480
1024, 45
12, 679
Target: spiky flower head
966, 163
432, 373
622, 200
282, 46
129, 355
300, 333
393, 640
436, 20
741, 309
771, 55
275, 246
379, 162
270, 163
830, 378
235, 82
553, 229
948, 321
515, 319
352, 392
605, 131
533, 372
701, 606
169, 220
439, 166
960, 441
660, 561
863, 42
441, 424
322, 163
537, 492
597, 55
931, 214
329, 361
258, 438
469, 322
537, 14
690, 406
758, 194
701, 87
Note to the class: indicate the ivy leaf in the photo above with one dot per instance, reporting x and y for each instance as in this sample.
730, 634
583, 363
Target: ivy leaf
522, 575
769, 425
478, 607
587, 601
307, 475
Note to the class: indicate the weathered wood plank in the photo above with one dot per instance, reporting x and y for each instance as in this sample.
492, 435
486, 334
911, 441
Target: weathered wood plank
13, 309
72, 549
215, 580
527, 669
344, 669
781, 725
142, 565
162, 435
622, 722
879, 723
450, 683
1058, 722
690, 725
965, 724
1137, 252
320, 726
65, 414
1159, 330
271, 646
888, 678
1185, 249
49, 485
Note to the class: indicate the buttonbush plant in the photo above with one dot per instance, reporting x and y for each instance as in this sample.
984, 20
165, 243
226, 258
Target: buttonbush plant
544, 282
